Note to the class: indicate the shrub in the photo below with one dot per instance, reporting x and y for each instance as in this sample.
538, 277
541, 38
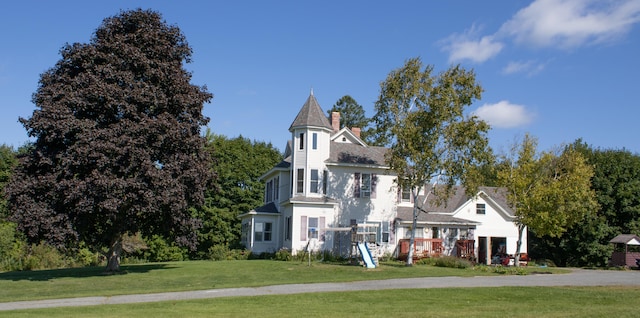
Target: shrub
218, 252
222, 253
452, 262
12, 248
85, 257
283, 254
44, 256
328, 256
499, 269
161, 251
239, 254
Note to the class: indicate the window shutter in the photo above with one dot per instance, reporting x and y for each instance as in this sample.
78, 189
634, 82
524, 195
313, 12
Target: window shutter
303, 228
321, 227
356, 187
374, 180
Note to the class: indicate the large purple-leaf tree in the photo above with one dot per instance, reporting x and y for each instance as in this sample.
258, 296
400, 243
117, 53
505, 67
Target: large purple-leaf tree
117, 145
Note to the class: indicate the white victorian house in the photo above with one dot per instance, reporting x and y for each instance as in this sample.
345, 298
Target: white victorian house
332, 188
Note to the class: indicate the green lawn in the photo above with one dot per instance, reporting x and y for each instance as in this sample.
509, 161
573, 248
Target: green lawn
198, 275
448, 302
180, 276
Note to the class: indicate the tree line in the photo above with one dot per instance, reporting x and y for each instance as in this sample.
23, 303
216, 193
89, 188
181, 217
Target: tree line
120, 167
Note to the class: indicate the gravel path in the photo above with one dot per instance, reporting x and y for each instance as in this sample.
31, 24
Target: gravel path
577, 277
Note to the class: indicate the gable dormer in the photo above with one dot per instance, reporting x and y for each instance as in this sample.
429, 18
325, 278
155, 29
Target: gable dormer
346, 135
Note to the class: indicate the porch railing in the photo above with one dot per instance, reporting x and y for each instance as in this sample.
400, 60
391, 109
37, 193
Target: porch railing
465, 249
423, 247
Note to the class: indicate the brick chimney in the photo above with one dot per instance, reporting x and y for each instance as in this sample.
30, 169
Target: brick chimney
356, 131
335, 121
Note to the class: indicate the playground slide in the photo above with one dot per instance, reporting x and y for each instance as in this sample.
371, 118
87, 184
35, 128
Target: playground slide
366, 255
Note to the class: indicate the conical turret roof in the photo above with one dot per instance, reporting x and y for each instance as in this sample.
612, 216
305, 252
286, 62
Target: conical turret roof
311, 115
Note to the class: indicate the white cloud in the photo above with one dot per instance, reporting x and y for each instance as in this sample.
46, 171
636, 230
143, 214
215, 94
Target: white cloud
572, 23
505, 115
468, 47
565, 24
529, 67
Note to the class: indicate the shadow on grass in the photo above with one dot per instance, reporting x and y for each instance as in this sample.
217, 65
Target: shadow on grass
45, 275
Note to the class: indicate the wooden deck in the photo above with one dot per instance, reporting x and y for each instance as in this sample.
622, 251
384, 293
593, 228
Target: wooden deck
424, 248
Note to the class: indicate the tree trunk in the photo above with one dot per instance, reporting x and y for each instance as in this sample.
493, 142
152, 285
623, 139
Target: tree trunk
516, 257
412, 238
113, 256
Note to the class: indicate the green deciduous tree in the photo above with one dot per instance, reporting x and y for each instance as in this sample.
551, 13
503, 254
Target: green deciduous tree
549, 192
352, 115
420, 117
118, 147
616, 182
8, 161
239, 163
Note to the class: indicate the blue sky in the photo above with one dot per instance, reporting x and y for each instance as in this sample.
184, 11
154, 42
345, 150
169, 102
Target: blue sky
557, 69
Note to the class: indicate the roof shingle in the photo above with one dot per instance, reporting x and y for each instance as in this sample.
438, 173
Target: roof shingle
356, 154
311, 115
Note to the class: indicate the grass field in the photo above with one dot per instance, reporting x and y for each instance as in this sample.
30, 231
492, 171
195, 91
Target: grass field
449, 302
197, 275
180, 276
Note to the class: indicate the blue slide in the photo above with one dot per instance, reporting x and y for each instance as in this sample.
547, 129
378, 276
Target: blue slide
366, 255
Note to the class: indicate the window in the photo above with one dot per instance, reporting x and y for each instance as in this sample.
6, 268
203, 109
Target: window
452, 235
272, 188
381, 232
385, 232
276, 188
406, 195
315, 179
268, 197
262, 232
368, 233
435, 232
300, 181
244, 234
287, 233
301, 141
313, 228
365, 185
314, 144
480, 208
325, 179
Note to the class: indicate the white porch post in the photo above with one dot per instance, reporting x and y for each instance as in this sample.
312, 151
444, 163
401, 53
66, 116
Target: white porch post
251, 238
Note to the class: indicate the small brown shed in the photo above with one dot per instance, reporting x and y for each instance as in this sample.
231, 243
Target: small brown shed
626, 250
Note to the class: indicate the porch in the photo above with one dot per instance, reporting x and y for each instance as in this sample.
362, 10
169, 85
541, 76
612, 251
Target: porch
434, 247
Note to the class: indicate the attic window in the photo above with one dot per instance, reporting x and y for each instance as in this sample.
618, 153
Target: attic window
344, 139
480, 208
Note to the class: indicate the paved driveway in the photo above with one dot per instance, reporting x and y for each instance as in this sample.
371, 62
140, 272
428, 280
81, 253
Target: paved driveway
578, 277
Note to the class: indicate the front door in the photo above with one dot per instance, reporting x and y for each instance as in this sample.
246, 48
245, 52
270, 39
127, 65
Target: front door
482, 250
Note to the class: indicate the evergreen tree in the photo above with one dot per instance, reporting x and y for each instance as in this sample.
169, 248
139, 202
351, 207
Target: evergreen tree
239, 163
352, 115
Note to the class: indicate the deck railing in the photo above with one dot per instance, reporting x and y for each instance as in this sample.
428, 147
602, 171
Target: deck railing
422, 248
